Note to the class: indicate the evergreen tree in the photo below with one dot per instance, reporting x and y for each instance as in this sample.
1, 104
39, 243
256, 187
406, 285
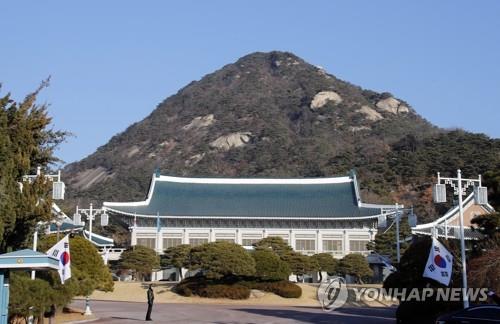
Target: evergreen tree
385, 243
326, 262
274, 243
88, 273
299, 263
177, 256
269, 266
142, 260
355, 265
221, 259
25, 143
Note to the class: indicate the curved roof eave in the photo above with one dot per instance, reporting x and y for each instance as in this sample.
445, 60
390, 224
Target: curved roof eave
239, 217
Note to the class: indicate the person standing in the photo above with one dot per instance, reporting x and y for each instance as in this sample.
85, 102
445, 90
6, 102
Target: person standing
151, 298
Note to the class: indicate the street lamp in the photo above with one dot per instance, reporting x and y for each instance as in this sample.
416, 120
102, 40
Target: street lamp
398, 213
460, 186
58, 187
58, 221
412, 221
90, 214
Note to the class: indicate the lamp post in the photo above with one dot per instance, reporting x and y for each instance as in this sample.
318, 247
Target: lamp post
460, 186
35, 245
398, 213
90, 214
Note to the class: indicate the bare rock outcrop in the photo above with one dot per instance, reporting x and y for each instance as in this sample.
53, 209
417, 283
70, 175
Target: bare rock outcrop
323, 97
355, 129
199, 122
194, 159
84, 179
229, 141
393, 106
370, 113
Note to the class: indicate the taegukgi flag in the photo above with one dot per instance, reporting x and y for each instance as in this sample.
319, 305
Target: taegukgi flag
439, 263
61, 251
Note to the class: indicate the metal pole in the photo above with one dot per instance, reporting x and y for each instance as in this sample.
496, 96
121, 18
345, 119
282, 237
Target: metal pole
462, 241
397, 233
58, 229
87, 307
35, 242
91, 216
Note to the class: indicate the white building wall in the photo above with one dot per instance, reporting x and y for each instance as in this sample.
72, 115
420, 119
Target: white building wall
291, 235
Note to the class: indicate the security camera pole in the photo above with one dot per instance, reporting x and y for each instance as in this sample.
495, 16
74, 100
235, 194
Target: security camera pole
460, 186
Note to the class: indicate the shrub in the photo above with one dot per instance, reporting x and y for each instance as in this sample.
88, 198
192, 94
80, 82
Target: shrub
268, 266
220, 259
285, 289
202, 287
225, 291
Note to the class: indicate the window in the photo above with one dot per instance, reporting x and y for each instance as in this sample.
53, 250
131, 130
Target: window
224, 240
333, 246
147, 242
305, 245
249, 242
358, 246
171, 242
197, 241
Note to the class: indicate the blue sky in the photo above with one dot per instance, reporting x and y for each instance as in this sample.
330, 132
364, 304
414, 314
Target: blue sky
112, 62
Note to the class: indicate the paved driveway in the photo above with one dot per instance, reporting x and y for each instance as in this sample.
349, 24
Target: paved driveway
126, 312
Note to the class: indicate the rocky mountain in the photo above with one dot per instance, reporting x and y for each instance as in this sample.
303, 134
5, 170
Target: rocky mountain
275, 115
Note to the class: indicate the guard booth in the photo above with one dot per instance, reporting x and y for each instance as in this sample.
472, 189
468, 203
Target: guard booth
20, 260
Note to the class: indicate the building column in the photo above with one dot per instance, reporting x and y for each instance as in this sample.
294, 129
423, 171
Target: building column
185, 239
159, 243
264, 233
238, 237
346, 243
133, 237
211, 237
292, 239
319, 242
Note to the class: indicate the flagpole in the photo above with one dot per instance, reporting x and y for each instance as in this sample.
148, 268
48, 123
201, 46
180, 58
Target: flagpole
462, 241
398, 256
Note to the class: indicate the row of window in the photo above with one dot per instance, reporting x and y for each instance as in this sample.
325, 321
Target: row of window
334, 246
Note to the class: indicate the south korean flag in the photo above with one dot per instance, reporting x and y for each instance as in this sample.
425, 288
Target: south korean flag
60, 251
439, 263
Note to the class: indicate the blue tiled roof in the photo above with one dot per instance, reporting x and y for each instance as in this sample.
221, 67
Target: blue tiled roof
64, 227
99, 240
174, 198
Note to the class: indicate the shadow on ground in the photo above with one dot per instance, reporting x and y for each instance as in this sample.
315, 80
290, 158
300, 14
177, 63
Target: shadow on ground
315, 315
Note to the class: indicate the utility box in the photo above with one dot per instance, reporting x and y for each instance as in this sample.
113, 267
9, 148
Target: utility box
382, 221
481, 195
412, 220
439, 193
58, 189
77, 219
104, 219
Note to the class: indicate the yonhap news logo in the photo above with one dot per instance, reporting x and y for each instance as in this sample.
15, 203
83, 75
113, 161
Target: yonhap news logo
332, 294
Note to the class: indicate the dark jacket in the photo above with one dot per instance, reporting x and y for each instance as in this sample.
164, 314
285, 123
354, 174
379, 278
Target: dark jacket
151, 296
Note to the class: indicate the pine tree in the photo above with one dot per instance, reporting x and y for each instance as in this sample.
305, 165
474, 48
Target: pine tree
26, 141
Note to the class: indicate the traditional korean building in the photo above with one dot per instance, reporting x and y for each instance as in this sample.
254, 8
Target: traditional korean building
313, 215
